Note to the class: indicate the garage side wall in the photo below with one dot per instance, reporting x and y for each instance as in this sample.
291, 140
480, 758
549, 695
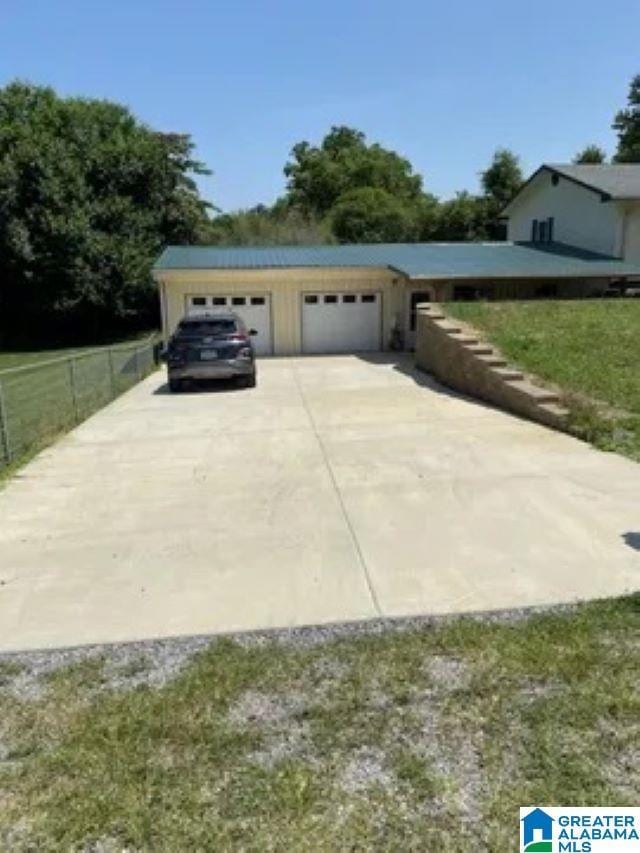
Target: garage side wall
285, 287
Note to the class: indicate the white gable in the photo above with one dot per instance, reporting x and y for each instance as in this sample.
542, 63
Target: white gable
580, 217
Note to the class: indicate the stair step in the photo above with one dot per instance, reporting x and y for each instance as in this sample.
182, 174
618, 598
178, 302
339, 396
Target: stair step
461, 338
449, 329
540, 395
508, 373
480, 349
555, 409
492, 360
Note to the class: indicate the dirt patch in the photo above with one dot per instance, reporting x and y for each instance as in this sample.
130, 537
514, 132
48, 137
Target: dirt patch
367, 768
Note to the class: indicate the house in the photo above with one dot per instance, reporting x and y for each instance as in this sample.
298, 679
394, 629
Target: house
595, 207
350, 298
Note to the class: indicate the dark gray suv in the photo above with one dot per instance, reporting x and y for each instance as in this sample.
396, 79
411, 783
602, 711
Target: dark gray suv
213, 346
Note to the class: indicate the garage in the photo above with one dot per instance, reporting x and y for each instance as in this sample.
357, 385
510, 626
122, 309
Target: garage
341, 322
255, 310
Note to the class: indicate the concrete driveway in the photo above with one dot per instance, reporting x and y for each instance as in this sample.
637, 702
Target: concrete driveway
341, 488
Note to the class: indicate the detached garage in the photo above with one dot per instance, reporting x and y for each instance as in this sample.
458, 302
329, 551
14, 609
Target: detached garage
332, 299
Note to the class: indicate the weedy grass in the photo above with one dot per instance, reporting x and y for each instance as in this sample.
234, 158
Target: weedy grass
355, 743
588, 349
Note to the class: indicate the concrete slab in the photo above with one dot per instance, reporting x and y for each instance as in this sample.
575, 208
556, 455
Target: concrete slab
341, 488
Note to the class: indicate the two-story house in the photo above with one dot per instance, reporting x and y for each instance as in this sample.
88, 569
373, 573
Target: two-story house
593, 207
573, 231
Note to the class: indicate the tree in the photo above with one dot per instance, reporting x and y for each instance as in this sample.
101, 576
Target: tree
591, 154
317, 176
280, 225
500, 183
627, 125
88, 197
462, 218
374, 215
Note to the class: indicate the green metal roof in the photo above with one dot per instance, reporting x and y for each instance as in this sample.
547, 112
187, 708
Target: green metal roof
415, 260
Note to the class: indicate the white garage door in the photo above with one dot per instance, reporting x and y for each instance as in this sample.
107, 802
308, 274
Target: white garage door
341, 322
254, 309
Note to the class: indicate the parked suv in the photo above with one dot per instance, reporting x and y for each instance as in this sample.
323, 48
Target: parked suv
214, 346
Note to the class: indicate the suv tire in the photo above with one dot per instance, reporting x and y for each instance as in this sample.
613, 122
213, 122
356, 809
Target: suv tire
175, 385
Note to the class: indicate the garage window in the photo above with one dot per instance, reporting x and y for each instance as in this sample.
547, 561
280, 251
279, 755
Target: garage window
198, 300
330, 299
218, 300
311, 300
238, 300
349, 297
257, 300
369, 297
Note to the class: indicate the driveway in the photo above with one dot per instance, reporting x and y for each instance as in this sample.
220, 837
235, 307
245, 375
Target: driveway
341, 488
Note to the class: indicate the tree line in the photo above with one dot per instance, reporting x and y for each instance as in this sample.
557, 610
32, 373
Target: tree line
89, 195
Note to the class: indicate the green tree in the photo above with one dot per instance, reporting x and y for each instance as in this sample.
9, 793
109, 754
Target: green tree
374, 215
591, 154
462, 218
280, 225
317, 176
627, 125
88, 197
500, 182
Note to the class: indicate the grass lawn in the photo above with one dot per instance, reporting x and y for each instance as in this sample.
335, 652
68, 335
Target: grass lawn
589, 349
43, 400
422, 738
17, 358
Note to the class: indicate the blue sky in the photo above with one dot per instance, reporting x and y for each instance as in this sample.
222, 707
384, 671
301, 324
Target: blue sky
443, 83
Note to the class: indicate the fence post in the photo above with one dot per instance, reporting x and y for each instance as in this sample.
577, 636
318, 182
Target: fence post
111, 373
4, 427
138, 373
74, 396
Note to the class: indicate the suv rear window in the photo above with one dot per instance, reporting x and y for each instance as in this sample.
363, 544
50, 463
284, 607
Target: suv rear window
207, 327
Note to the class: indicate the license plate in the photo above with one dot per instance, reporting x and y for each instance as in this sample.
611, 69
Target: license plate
208, 354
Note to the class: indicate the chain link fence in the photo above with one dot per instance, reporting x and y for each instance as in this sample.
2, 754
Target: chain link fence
41, 400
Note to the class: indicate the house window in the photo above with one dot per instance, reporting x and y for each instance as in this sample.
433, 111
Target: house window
555, 180
550, 222
198, 300
465, 293
534, 231
542, 232
330, 299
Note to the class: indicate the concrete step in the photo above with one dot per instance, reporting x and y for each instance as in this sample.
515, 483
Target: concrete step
492, 360
508, 373
461, 338
540, 395
480, 349
449, 328
558, 411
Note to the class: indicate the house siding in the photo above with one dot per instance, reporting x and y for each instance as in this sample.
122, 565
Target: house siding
631, 236
285, 288
581, 218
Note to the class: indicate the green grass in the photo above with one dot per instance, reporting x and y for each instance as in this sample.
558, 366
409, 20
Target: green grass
428, 739
52, 392
589, 350
18, 358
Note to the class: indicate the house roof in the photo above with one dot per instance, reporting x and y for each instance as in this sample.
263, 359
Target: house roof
617, 181
415, 260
